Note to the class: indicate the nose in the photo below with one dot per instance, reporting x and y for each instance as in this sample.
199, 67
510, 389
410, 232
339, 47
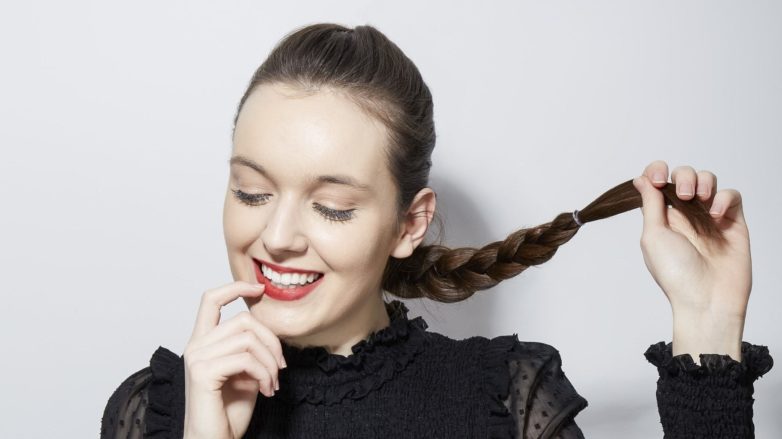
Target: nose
282, 233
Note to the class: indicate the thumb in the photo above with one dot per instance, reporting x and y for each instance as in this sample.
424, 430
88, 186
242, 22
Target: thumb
654, 209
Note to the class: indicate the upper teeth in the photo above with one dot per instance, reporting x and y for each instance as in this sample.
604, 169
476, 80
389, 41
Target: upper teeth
288, 278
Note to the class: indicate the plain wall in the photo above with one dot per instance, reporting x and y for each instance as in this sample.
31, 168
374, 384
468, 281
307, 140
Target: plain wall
116, 135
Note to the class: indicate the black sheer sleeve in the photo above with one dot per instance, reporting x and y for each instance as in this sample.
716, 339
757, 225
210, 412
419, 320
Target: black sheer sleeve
710, 400
124, 415
537, 400
150, 403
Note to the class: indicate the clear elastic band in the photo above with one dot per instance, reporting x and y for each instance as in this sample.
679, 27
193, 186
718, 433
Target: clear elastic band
575, 218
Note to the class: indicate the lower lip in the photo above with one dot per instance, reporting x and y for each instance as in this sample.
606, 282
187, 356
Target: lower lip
284, 293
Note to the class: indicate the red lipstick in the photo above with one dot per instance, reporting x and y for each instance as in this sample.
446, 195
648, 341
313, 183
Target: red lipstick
277, 293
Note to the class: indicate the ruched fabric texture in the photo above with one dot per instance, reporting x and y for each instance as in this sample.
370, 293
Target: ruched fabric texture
710, 400
404, 381
318, 377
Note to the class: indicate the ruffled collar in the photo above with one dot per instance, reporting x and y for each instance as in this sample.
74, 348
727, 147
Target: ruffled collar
316, 376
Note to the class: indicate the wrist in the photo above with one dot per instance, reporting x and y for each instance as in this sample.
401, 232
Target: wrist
707, 333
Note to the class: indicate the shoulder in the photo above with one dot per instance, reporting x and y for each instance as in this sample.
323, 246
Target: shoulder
496, 361
520, 384
151, 397
528, 365
507, 356
495, 350
526, 384
126, 406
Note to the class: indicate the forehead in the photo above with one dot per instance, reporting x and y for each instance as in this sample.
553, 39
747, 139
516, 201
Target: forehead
291, 133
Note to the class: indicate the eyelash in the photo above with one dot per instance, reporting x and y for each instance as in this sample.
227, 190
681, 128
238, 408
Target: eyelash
331, 215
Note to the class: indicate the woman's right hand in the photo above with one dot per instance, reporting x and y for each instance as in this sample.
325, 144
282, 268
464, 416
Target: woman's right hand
226, 365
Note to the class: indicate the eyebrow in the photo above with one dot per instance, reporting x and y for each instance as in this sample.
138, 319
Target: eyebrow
333, 179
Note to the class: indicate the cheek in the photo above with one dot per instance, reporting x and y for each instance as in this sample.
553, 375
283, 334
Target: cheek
351, 247
239, 227
239, 236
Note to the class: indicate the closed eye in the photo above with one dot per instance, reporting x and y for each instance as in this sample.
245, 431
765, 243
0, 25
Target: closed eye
331, 215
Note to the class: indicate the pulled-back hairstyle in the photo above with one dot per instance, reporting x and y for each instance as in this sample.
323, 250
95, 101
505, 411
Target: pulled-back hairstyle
375, 74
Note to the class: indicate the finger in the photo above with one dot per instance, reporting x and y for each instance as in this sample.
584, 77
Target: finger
657, 171
228, 366
246, 341
685, 178
653, 205
706, 185
728, 204
243, 321
212, 300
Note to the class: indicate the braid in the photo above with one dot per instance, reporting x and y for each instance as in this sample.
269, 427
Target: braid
449, 275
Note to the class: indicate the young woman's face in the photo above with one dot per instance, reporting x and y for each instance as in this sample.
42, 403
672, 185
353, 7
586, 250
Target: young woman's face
302, 219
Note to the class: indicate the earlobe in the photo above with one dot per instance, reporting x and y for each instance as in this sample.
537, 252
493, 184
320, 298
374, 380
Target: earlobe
404, 248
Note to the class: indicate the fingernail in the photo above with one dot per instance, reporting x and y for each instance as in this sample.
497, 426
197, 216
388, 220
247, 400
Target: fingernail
685, 189
276, 385
716, 209
283, 363
257, 286
658, 177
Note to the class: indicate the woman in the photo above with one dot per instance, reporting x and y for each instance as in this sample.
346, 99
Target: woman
328, 192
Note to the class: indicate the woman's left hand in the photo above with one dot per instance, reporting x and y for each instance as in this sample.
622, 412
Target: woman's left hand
708, 286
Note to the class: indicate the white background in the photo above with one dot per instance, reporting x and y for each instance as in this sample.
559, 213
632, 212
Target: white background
116, 135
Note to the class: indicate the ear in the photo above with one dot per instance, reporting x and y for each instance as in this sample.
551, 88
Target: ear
416, 222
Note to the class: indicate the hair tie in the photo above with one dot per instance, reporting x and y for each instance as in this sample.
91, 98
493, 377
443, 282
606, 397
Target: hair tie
575, 218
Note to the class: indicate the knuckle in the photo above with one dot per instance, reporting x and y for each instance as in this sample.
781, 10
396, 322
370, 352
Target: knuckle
272, 342
245, 318
268, 376
248, 357
247, 338
208, 296
262, 372
728, 193
685, 170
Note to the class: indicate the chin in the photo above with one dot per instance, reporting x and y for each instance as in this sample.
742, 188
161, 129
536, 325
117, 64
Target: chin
283, 323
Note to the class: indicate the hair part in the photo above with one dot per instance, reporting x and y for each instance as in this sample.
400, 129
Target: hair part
374, 73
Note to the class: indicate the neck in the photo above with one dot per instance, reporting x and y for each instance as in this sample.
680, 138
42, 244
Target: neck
371, 316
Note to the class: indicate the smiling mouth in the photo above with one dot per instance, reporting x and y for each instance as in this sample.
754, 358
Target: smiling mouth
287, 286
285, 278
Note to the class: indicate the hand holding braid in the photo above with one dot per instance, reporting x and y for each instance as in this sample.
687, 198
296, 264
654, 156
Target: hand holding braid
451, 275
707, 281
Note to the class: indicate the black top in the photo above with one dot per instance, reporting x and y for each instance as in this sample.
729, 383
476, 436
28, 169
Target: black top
405, 381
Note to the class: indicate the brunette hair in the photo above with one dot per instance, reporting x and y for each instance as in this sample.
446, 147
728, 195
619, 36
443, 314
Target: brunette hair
375, 74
